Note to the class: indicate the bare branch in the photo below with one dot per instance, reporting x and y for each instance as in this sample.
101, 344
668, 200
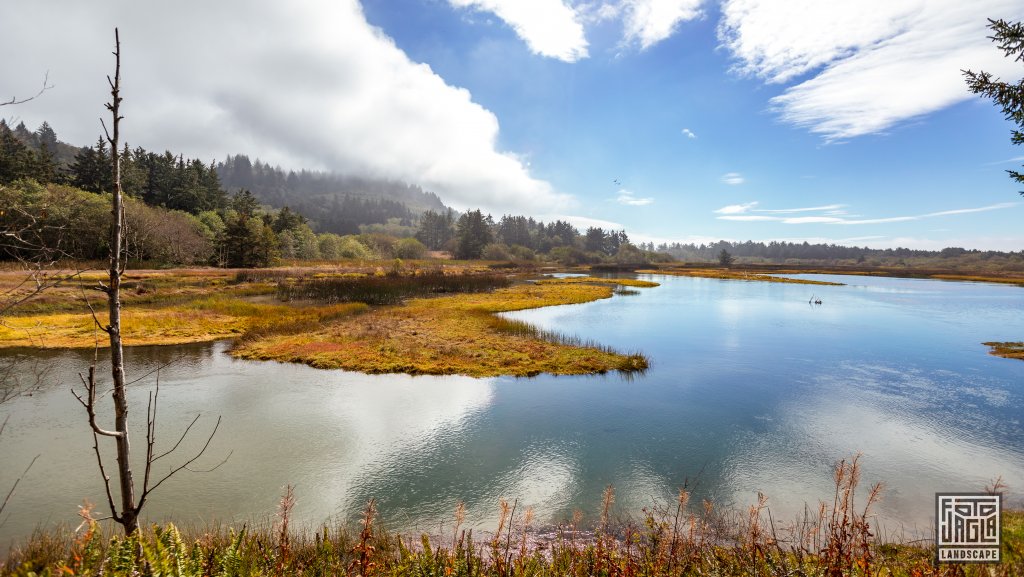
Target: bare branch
90, 404
45, 87
106, 477
147, 490
180, 439
16, 481
213, 468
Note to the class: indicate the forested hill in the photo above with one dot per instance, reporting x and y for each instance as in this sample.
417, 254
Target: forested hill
337, 202
331, 202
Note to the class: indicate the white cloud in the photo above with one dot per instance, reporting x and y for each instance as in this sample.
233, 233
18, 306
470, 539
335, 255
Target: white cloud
733, 178
1007, 161
648, 22
831, 208
628, 198
872, 64
740, 212
748, 217
320, 88
737, 208
549, 27
689, 133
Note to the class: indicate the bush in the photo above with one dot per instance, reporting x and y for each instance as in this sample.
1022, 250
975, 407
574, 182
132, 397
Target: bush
495, 251
409, 248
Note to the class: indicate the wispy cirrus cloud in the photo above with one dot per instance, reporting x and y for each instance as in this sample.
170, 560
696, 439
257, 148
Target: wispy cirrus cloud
743, 213
733, 178
737, 208
852, 60
628, 198
829, 208
1007, 161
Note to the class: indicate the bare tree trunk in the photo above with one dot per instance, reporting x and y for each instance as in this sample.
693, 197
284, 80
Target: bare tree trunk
124, 468
128, 515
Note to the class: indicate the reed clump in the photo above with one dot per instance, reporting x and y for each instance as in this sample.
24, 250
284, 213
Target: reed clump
388, 289
679, 539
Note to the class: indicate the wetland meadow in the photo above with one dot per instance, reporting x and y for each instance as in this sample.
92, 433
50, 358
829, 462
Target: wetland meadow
541, 391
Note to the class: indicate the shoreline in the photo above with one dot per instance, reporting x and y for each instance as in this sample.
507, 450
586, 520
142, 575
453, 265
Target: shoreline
455, 333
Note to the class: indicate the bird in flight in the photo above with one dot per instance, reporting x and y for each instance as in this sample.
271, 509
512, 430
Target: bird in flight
616, 181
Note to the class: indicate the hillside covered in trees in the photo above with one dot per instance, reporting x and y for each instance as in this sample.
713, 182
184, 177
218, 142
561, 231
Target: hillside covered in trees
244, 213
337, 203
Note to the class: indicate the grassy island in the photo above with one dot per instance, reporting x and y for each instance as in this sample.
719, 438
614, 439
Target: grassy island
1009, 350
320, 317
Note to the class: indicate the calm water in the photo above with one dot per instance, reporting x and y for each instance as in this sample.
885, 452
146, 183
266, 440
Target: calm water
751, 389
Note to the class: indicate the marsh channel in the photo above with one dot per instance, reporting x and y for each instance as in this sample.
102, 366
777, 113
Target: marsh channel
751, 388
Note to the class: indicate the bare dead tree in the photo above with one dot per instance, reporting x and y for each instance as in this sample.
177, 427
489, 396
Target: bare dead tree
127, 514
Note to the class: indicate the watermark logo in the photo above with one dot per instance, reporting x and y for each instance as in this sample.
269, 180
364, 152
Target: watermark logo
967, 527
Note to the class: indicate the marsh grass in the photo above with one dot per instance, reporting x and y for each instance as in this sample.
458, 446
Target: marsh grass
450, 334
1009, 350
674, 540
388, 289
426, 320
621, 282
736, 274
631, 362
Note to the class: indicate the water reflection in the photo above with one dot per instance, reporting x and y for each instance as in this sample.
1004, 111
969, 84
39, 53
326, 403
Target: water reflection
750, 390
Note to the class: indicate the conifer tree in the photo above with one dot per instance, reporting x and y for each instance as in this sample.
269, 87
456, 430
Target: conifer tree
1009, 96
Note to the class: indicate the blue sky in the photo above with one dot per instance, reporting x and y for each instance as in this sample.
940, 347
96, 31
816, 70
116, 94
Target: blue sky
738, 119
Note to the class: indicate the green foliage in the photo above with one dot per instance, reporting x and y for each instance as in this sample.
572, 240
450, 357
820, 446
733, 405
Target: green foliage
298, 242
337, 203
473, 234
496, 251
409, 248
436, 229
1009, 96
725, 259
18, 161
334, 247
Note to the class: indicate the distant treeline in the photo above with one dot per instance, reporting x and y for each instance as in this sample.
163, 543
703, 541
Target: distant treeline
516, 237
780, 252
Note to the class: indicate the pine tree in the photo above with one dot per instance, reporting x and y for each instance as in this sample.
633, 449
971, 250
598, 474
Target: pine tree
473, 235
92, 170
1007, 95
46, 136
16, 160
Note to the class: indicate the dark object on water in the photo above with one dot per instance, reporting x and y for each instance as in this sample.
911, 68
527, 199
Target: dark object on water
814, 301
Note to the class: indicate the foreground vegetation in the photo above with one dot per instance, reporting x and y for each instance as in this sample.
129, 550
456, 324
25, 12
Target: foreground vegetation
674, 540
323, 317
